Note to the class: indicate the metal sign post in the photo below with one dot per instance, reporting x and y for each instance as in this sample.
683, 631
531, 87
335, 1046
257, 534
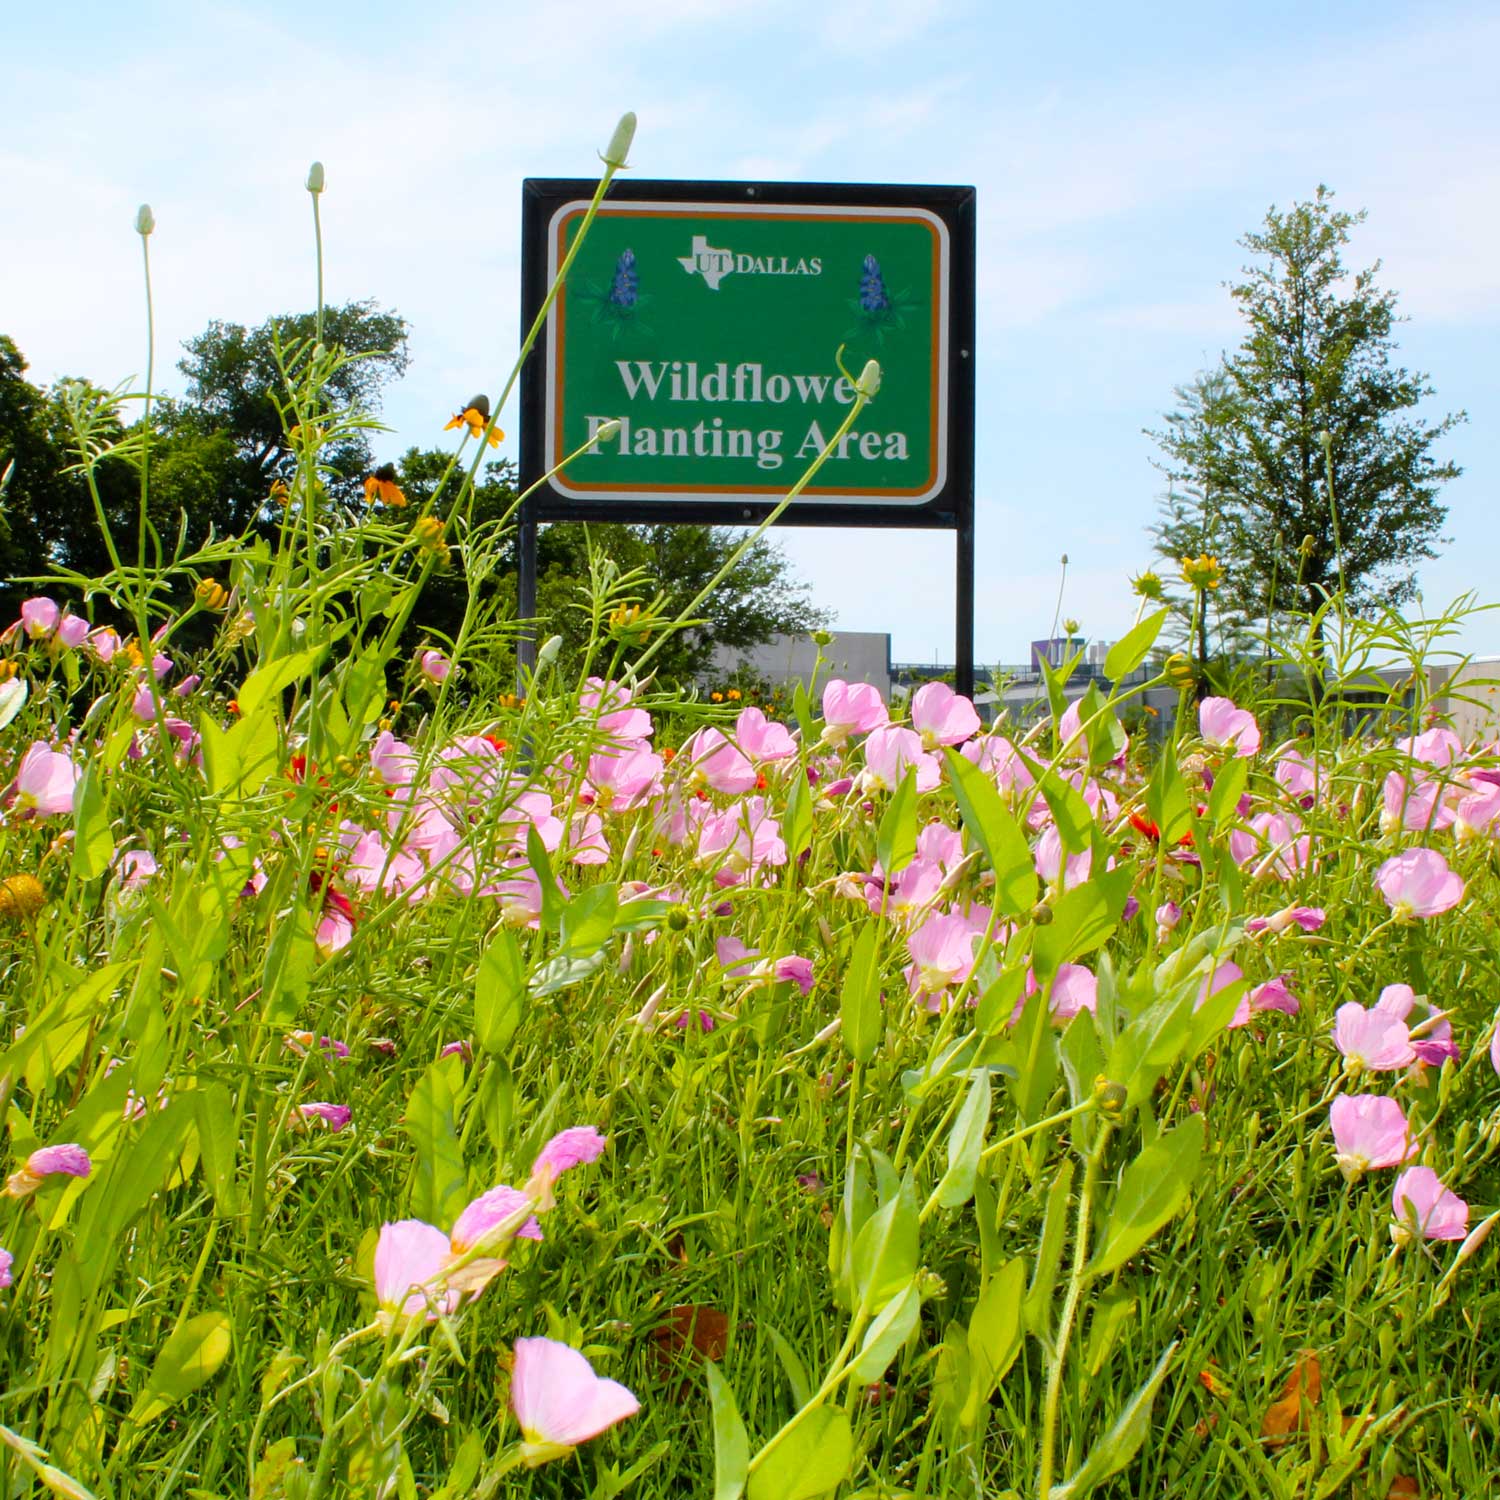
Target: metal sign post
705, 317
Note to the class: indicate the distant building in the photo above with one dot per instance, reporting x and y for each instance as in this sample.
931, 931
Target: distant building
854, 655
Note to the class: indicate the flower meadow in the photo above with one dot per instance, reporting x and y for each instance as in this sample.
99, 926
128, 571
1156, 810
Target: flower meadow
414, 1087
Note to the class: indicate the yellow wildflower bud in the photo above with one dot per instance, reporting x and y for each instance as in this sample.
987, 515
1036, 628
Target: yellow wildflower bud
1148, 585
1178, 671
1202, 572
211, 594
1109, 1097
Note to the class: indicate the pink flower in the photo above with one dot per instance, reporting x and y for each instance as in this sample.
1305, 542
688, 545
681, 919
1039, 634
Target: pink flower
794, 970
560, 1402
762, 739
1168, 915
335, 1116
1418, 883
851, 708
434, 666
941, 716
1478, 815
575, 1147
941, 844
1274, 842
1228, 727
942, 952
104, 642
1308, 918
1432, 1036
1419, 1197
618, 721
1048, 859
1369, 1131
45, 782
889, 751
333, 933
1375, 1040
1226, 974
1437, 747
39, 617
409, 1259
995, 754
1074, 989
72, 630
5, 1264
67, 1160
624, 779
1298, 775
1495, 1046
915, 887
136, 867
1272, 995
710, 758
1418, 807
488, 1224
393, 761
740, 841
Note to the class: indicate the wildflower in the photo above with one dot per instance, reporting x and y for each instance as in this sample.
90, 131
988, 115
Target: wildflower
45, 782
5, 1264
382, 486
1431, 1037
434, 666
50, 1161
942, 954
1418, 883
1308, 918
1202, 572
851, 708
889, 751
39, 617
1373, 1040
574, 1147
1073, 989
1298, 775
1179, 671
941, 716
717, 763
475, 416
1147, 585
335, 1116
489, 1223
1228, 727
1369, 1131
1168, 915
560, 1402
1495, 1047
762, 739
616, 717
1272, 995
873, 297
409, 1259
624, 287
211, 594
1419, 1198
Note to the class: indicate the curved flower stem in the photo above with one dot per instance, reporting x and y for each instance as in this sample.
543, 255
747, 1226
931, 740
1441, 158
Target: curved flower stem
1076, 1279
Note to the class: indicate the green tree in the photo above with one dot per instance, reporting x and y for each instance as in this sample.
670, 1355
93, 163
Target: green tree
47, 516
237, 389
1314, 404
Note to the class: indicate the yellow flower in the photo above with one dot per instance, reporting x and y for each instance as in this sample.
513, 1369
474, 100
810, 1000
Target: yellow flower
733, 695
21, 896
1178, 671
475, 416
382, 486
211, 594
1202, 572
716, 697
1147, 585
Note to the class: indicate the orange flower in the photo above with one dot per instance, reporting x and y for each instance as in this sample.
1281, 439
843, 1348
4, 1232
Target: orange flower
382, 486
475, 416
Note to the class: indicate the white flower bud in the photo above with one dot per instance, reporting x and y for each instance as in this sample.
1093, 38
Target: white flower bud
145, 220
619, 143
315, 177
869, 379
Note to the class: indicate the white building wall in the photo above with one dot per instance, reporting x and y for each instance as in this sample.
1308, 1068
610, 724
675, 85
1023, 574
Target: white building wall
854, 655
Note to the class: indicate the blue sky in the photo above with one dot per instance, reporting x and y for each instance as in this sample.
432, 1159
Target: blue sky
1119, 152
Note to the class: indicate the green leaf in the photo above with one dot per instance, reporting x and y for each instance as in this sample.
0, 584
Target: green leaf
811, 1460
1083, 1063
1103, 732
1132, 648
499, 992
291, 956
541, 865
995, 830
588, 920
859, 1000
885, 1251
93, 842
1167, 801
190, 1357
731, 1445
1035, 1051
797, 820
218, 1142
886, 1334
564, 970
1121, 1443
273, 678
965, 1142
1071, 814
994, 1336
440, 1187
1229, 787
1144, 1049
1082, 919
796, 1371
998, 1002
802, 709
896, 839
1153, 1190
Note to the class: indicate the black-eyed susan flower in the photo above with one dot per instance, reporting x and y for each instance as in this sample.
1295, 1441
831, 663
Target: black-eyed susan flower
382, 486
1202, 572
475, 416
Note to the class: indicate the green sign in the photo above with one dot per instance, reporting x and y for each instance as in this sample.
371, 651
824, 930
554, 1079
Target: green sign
710, 330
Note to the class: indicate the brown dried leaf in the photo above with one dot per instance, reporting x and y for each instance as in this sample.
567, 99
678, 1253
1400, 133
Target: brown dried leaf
691, 1328
1304, 1384
1403, 1487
